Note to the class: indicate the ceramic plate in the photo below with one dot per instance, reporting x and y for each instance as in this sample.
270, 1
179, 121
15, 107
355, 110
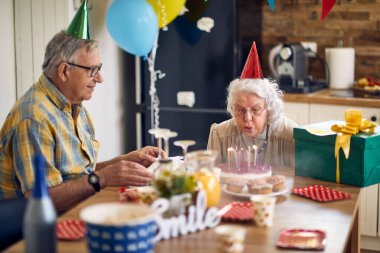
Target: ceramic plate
246, 194
303, 239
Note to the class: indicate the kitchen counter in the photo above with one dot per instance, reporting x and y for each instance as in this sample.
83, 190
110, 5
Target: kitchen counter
334, 97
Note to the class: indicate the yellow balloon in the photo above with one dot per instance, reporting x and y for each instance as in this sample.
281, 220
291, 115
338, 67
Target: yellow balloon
166, 10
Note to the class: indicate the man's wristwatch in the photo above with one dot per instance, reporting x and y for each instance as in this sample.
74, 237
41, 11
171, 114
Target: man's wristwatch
94, 180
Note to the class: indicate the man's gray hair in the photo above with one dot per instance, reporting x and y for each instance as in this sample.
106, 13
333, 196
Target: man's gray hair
264, 88
63, 47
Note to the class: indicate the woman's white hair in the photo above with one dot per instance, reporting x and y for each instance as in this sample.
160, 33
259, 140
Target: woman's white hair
264, 88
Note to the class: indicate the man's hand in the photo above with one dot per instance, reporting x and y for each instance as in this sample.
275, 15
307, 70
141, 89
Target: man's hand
112, 173
124, 173
151, 150
144, 156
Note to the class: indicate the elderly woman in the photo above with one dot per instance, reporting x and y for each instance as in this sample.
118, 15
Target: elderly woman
256, 107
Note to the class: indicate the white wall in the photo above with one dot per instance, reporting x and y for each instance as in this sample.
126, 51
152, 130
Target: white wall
36, 21
7, 59
22, 44
106, 104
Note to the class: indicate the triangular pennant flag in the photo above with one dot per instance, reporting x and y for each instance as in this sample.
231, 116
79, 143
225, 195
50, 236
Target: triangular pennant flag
327, 5
252, 67
271, 4
78, 27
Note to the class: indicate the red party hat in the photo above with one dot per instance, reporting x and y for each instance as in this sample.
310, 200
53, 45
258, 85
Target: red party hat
252, 67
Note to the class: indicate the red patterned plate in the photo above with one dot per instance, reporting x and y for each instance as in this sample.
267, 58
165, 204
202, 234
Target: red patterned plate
70, 229
320, 193
302, 239
237, 212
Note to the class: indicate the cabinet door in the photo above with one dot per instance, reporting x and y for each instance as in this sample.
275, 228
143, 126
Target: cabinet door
320, 112
368, 210
378, 212
299, 112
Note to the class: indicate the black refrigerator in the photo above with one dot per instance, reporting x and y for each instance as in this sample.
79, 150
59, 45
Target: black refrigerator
195, 61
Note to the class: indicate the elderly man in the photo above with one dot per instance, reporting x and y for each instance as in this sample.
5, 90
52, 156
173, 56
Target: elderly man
51, 120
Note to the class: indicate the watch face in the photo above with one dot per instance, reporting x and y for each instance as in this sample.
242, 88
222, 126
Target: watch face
93, 179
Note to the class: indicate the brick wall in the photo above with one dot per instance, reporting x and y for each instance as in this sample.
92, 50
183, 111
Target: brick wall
355, 22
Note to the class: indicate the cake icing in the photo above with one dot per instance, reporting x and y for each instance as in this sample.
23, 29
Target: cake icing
245, 171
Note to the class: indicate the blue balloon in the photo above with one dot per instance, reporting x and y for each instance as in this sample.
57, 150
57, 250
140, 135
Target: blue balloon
133, 25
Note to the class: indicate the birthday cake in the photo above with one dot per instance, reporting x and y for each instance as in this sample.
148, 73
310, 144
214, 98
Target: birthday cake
245, 171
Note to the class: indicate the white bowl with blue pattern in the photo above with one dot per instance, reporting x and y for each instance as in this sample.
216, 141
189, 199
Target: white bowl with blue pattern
120, 228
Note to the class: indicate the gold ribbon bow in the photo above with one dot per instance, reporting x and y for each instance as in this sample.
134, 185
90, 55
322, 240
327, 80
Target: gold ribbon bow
354, 124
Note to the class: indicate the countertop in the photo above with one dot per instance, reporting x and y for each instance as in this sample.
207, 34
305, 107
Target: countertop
334, 97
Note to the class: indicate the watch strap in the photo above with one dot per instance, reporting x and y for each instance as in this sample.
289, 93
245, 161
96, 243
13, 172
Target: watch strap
94, 180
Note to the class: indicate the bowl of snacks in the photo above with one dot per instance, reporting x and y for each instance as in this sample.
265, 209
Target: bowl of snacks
120, 227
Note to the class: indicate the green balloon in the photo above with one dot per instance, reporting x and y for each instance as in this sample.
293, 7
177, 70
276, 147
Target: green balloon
79, 27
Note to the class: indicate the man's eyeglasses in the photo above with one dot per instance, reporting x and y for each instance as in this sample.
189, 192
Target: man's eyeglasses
253, 111
94, 70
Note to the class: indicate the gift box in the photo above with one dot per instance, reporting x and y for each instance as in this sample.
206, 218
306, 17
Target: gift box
314, 155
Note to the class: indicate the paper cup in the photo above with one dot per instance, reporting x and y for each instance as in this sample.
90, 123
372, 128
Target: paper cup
231, 238
121, 228
263, 210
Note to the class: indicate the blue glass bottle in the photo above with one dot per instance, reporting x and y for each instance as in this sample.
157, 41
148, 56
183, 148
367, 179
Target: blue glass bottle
40, 215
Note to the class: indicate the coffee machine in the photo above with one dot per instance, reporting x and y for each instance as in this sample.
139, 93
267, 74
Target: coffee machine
289, 65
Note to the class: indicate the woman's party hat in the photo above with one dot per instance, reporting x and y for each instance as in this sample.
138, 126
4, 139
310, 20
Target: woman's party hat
252, 67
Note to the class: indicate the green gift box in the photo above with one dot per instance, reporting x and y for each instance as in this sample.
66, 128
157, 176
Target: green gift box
314, 155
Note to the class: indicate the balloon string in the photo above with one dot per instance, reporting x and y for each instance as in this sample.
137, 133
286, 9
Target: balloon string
164, 15
155, 102
156, 110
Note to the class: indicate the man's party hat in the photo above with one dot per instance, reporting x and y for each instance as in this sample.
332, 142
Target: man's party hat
78, 27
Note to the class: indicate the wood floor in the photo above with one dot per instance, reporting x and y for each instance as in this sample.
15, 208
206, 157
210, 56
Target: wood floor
368, 251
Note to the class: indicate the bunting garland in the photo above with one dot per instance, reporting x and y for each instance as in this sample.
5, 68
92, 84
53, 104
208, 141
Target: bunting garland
271, 4
327, 5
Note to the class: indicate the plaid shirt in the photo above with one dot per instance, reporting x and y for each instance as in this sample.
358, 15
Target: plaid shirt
43, 121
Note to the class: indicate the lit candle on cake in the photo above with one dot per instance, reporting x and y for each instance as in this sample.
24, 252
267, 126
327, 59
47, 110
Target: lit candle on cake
249, 157
255, 155
229, 151
240, 157
237, 159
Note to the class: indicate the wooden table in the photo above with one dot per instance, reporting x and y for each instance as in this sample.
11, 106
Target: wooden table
338, 219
